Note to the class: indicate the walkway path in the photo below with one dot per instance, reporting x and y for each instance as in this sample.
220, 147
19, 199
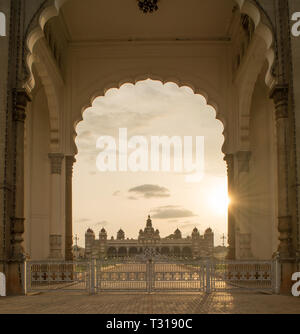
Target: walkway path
80, 303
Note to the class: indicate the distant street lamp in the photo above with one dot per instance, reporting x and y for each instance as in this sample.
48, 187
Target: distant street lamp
76, 248
223, 238
76, 239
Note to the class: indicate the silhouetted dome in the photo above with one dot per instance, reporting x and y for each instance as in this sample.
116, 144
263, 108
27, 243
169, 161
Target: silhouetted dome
177, 234
195, 233
209, 230
103, 230
121, 235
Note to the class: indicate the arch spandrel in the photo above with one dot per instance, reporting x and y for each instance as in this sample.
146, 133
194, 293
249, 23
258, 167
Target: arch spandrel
51, 8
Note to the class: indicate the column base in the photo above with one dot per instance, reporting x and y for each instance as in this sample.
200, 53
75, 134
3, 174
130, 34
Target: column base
288, 268
15, 279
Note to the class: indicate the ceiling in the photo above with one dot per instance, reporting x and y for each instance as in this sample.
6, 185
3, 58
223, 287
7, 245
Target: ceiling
97, 20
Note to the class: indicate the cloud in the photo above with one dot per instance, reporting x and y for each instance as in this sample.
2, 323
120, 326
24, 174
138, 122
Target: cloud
82, 220
101, 223
132, 198
187, 225
150, 191
116, 193
131, 107
180, 222
171, 211
173, 221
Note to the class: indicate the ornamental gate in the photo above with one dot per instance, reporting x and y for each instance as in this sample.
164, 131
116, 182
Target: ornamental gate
150, 275
153, 274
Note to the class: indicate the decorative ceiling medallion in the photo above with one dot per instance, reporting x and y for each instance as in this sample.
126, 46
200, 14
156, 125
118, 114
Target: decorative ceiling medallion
148, 6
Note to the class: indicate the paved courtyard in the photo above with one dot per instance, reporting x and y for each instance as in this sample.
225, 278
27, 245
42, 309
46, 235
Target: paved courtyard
78, 303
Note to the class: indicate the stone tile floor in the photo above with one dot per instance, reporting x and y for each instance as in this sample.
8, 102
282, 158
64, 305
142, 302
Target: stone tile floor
79, 303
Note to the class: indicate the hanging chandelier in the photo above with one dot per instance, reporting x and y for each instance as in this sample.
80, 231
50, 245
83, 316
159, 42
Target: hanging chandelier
148, 6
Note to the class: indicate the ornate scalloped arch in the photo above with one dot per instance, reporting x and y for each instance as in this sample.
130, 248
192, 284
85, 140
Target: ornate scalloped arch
51, 8
103, 85
262, 30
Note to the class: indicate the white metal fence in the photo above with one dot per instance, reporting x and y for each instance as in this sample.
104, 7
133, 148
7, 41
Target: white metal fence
152, 275
45, 276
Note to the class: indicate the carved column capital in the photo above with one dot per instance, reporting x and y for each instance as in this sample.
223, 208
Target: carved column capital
243, 158
56, 160
22, 98
280, 96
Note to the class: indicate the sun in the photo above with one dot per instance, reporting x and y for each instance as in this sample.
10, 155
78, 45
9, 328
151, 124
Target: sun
219, 200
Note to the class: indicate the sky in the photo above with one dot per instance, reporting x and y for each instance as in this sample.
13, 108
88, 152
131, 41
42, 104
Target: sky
123, 199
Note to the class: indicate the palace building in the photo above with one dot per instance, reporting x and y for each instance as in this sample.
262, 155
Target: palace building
195, 245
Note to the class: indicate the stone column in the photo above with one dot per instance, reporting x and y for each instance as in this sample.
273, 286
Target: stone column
280, 97
55, 238
17, 223
243, 208
17, 258
70, 160
229, 158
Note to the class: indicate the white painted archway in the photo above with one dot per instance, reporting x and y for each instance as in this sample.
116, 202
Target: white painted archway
93, 67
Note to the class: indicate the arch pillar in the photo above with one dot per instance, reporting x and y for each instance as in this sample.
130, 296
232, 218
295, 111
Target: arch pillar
17, 221
242, 210
280, 96
55, 237
229, 159
15, 281
69, 160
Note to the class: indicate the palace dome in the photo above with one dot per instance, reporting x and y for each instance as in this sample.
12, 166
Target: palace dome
89, 230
